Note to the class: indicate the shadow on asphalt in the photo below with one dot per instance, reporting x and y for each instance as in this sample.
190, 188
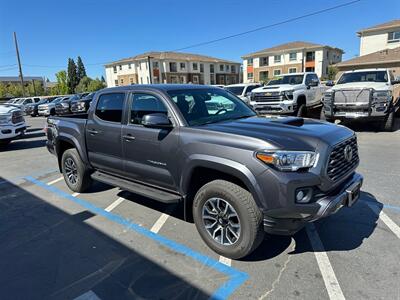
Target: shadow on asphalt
362, 126
23, 145
49, 254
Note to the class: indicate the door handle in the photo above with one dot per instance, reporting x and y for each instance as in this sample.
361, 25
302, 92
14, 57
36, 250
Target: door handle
129, 138
92, 131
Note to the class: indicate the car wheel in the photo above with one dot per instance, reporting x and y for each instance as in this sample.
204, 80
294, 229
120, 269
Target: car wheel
4, 142
75, 173
52, 112
388, 123
323, 117
228, 219
302, 111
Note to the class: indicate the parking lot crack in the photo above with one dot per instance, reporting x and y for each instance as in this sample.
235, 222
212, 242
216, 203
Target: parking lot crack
277, 280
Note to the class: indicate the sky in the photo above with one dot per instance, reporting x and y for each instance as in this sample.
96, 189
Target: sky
101, 31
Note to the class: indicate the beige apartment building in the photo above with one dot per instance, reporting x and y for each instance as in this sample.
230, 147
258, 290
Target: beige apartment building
291, 57
172, 67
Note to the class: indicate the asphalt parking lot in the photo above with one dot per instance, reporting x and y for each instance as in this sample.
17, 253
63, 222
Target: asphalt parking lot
111, 244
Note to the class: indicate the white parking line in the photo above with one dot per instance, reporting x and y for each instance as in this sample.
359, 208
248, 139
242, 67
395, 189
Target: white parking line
330, 280
55, 180
385, 219
114, 204
225, 260
75, 194
159, 223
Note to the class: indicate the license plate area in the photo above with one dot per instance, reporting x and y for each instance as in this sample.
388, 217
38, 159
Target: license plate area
353, 194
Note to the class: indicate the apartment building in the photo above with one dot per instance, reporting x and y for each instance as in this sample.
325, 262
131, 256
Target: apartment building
171, 67
379, 37
289, 58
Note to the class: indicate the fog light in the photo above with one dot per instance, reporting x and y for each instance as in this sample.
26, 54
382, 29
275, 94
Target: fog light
303, 195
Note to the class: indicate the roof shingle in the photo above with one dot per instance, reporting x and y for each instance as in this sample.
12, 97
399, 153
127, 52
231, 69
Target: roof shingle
379, 57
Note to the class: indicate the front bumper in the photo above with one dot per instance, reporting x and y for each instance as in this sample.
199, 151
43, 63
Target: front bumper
8, 132
356, 110
44, 112
281, 107
344, 195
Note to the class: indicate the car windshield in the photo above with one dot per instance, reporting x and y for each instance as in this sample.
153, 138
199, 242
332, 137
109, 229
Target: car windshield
237, 90
20, 101
204, 106
57, 100
365, 76
287, 79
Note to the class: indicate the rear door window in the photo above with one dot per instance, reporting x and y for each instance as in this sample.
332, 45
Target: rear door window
110, 107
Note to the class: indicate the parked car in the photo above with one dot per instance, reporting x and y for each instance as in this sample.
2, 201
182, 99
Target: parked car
243, 90
22, 102
12, 123
82, 105
13, 100
48, 109
238, 175
291, 93
33, 108
367, 94
63, 107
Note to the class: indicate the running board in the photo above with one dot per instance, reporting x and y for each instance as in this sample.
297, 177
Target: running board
136, 188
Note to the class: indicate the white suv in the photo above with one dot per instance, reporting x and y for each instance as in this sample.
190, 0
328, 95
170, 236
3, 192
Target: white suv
242, 90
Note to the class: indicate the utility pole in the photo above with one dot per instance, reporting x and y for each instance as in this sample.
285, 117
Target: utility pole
21, 77
150, 71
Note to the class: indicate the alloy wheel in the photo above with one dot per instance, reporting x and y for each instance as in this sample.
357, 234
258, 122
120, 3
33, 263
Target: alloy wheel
71, 171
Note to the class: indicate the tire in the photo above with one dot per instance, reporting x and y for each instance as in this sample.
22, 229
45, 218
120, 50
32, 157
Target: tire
52, 112
388, 123
4, 142
301, 111
248, 216
71, 162
323, 117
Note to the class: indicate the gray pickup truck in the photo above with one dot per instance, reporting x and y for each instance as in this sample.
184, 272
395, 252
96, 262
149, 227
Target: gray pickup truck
239, 175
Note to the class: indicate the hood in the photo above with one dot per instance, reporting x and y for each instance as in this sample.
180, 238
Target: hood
277, 88
379, 86
289, 133
7, 109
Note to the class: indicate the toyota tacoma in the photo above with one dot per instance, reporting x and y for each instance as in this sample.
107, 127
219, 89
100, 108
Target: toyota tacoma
238, 175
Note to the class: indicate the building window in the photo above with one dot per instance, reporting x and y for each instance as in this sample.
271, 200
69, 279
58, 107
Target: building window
292, 70
122, 81
221, 68
227, 68
277, 72
249, 75
264, 61
129, 66
115, 69
116, 82
182, 65
310, 69
310, 56
277, 58
195, 67
212, 79
195, 79
172, 67
201, 68
211, 68
155, 64
394, 37
182, 79
130, 80
249, 61
120, 67
141, 80
263, 75
292, 56
233, 69
174, 79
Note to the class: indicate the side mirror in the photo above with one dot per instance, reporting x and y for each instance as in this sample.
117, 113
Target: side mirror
156, 120
313, 83
329, 83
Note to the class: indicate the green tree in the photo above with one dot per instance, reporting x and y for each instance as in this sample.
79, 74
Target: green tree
83, 85
96, 85
72, 78
61, 88
102, 79
35, 88
80, 69
332, 71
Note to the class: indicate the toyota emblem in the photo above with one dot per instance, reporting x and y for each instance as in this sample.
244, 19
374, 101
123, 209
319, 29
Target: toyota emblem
348, 153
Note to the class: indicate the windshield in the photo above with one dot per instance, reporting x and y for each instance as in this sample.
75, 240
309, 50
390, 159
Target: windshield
366, 76
237, 90
288, 79
204, 106
57, 100
20, 101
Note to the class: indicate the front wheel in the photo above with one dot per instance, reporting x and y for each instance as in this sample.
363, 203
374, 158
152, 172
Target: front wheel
323, 117
228, 219
301, 111
388, 123
75, 173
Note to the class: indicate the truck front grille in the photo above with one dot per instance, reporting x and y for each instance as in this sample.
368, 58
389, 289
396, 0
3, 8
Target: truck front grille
267, 97
343, 159
17, 117
352, 96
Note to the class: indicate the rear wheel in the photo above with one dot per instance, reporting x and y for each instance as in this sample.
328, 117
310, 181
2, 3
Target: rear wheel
76, 175
228, 219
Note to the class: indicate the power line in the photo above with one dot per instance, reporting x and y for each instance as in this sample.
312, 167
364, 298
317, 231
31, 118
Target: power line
4, 70
7, 66
269, 26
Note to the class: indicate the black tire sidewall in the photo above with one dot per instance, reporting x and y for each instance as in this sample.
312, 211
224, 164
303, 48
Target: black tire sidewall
237, 250
81, 170
301, 111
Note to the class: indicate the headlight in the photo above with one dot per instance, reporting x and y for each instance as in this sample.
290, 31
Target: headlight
328, 96
288, 94
289, 160
382, 96
4, 119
